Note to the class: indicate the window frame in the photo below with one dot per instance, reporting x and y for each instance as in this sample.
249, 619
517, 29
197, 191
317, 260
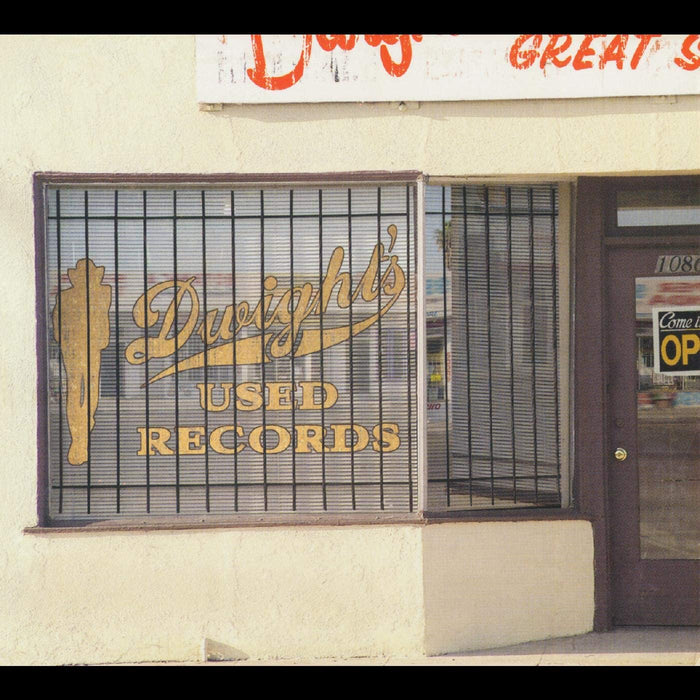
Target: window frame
620, 185
43, 180
565, 257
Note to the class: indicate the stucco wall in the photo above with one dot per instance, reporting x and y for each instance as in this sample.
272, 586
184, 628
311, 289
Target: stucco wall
493, 584
106, 104
127, 104
263, 592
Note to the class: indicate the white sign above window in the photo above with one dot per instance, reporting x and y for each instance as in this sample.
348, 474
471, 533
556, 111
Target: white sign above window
266, 68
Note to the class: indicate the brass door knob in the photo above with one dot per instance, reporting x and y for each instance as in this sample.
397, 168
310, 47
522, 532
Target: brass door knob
621, 454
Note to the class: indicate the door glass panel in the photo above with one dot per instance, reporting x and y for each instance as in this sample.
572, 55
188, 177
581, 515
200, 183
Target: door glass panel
668, 416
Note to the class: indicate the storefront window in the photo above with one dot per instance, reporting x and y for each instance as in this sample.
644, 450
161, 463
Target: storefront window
221, 350
218, 350
494, 397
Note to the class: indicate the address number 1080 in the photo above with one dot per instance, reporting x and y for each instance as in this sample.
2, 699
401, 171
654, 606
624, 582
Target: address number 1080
677, 263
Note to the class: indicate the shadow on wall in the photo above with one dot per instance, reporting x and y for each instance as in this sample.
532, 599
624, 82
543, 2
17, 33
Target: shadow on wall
438, 111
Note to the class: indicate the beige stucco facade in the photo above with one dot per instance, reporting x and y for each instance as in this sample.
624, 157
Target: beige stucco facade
127, 104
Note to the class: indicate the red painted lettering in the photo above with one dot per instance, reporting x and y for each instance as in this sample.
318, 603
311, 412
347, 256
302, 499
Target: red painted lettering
553, 50
268, 82
392, 68
259, 75
644, 40
585, 50
329, 41
679, 287
524, 59
687, 50
615, 51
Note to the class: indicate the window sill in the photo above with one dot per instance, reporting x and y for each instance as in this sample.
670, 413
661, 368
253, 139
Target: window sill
222, 523
258, 521
503, 515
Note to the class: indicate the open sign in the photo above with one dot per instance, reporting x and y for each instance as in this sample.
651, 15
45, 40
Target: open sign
677, 340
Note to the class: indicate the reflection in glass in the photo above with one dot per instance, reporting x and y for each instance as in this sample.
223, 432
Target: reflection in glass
668, 442
662, 207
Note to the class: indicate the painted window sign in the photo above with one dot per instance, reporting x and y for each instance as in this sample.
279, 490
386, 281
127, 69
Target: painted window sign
677, 340
220, 351
253, 68
660, 292
216, 351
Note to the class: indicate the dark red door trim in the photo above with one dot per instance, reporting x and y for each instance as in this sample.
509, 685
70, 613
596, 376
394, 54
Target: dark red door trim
594, 221
589, 479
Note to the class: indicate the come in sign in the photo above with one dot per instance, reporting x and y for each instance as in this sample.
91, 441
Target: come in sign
677, 340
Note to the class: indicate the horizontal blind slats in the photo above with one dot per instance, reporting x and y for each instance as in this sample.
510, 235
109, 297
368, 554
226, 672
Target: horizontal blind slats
495, 249
232, 248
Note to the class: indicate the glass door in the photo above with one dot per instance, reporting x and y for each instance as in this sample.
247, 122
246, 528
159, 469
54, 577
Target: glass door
653, 361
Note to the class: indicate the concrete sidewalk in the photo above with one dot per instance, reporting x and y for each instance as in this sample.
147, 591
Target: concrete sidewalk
629, 646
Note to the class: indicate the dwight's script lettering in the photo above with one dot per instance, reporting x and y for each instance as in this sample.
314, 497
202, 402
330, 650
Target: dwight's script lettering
281, 328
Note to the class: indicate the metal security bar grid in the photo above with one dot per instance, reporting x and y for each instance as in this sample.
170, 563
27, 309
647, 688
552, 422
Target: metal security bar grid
325, 428
493, 418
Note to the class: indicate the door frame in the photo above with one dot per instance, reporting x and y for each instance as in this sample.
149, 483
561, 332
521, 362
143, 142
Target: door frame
593, 235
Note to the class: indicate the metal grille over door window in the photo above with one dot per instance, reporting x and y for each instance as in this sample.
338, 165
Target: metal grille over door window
218, 351
492, 347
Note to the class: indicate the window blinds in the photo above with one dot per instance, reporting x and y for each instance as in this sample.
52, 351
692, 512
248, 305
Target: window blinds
493, 425
256, 354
